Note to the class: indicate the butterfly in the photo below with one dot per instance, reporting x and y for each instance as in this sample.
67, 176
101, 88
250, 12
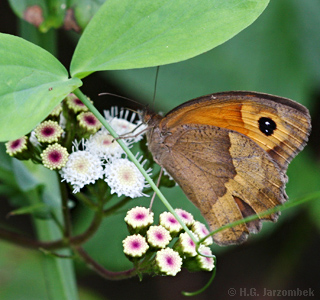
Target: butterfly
229, 153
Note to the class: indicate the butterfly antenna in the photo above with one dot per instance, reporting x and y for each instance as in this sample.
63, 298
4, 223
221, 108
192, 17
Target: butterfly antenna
122, 97
135, 111
155, 86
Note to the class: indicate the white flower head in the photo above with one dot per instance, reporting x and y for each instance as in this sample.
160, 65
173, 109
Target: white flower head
48, 132
75, 104
201, 231
122, 126
185, 216
124, 178
186, 245
169, 222
88, 121
139, 217
54, 156
168, 261
17, 146
205, 263
103, 145
135, 245
158, 236
82, 168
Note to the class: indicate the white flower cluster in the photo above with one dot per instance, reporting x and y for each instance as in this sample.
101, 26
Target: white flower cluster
146, 239
100, 156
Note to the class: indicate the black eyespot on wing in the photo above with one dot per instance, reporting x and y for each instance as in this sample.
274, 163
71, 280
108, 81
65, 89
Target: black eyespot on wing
267, 126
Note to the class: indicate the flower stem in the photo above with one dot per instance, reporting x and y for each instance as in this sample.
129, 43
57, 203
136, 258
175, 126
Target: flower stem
65, 210
24, 241
115, 207
91, 263
92, 229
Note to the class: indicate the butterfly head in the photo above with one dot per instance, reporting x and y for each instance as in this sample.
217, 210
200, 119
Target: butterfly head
150, 118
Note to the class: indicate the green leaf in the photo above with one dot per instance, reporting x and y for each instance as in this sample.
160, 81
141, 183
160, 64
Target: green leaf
136, 34
39, 208
262, 58
32, 83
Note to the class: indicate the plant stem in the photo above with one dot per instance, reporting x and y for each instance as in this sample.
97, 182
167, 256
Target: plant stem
91, 263
86, 200
115, 207
65, 210
23, 241
92, 229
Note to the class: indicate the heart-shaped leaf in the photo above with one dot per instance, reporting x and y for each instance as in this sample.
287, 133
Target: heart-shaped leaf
136, 34
32, 83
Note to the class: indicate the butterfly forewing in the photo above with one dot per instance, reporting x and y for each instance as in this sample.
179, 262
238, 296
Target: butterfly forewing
243, 112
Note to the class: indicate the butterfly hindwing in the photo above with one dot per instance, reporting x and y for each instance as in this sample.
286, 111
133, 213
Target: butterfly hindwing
205, 162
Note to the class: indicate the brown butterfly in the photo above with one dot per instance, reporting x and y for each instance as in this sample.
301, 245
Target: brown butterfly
229, 153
